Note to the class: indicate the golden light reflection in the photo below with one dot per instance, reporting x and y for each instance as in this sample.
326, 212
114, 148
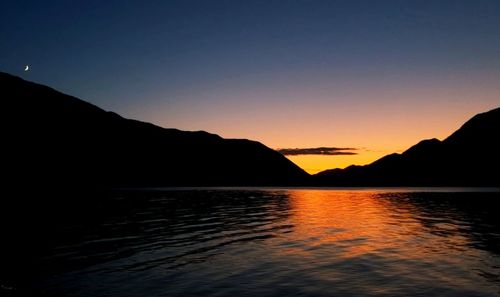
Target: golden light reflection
355, 223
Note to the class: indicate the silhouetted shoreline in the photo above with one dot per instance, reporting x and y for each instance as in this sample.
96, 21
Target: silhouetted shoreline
55, 140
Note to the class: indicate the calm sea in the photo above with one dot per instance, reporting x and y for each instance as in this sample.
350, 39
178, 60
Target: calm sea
273, 242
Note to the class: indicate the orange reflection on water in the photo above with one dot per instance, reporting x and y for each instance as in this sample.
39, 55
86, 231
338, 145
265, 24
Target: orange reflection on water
353, 223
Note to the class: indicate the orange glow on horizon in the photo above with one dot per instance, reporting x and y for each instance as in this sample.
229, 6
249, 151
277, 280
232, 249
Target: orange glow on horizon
316, 163
376, 119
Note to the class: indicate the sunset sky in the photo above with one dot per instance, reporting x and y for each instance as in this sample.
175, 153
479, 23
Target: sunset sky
373, 76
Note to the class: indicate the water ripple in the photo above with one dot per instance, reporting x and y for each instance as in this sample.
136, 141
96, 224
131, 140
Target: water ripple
277, 243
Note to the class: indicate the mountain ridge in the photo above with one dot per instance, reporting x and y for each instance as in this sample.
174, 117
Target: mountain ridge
86, 145
461, 159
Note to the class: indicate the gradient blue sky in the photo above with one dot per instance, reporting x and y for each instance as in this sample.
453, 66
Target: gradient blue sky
376, 75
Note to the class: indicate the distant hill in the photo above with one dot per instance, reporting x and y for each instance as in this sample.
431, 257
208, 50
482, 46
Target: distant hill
468, 157
52, 139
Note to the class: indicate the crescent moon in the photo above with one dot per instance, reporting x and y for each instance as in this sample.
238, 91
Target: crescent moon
27, 68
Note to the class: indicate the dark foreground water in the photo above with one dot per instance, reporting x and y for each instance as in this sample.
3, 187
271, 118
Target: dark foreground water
272, 242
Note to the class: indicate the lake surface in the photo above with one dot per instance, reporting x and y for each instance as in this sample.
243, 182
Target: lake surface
273, 242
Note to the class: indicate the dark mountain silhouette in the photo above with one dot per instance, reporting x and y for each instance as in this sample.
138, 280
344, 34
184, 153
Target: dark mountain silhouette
52, 139
55, 139
468, 157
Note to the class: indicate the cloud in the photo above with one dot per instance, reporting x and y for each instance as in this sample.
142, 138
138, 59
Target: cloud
318, 151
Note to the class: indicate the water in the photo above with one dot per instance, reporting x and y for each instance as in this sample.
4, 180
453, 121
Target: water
273, 242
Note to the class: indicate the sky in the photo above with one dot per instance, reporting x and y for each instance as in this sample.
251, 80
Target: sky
374, 77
